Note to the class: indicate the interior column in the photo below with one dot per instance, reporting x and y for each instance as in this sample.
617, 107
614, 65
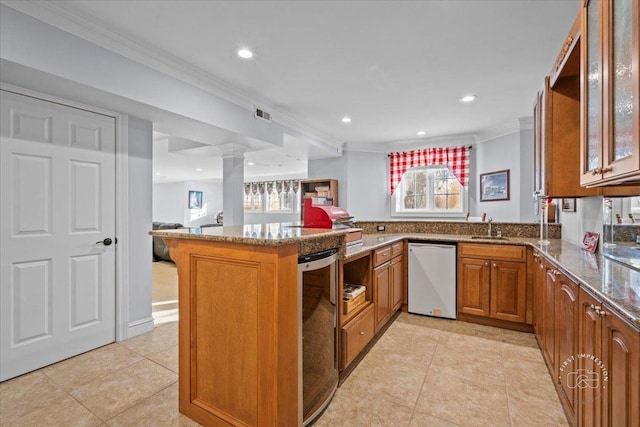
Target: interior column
233, 186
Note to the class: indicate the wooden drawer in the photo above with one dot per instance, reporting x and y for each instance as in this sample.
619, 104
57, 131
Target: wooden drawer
381, 255
488, 251
356, 335
397, 248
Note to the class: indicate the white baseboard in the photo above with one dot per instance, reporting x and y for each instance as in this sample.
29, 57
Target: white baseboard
139, 327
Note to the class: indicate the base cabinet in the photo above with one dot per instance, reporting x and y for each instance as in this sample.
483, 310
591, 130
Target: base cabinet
494, 287
356, 335
388, 282
613, 399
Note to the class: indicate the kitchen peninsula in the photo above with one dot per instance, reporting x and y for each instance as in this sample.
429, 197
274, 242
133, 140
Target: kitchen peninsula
238, 339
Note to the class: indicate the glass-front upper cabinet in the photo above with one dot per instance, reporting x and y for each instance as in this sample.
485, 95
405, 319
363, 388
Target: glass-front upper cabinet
610, 92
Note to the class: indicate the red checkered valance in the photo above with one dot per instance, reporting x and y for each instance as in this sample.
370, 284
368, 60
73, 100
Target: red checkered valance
454, 158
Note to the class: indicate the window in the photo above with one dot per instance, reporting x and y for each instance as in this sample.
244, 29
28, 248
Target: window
429, 191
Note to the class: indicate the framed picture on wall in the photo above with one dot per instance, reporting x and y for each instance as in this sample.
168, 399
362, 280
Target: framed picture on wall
569, 205
494, 186
195, 199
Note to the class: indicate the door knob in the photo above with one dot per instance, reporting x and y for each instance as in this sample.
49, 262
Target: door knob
105, 242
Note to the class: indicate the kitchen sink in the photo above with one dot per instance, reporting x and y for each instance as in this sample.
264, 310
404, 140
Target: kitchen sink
490, 237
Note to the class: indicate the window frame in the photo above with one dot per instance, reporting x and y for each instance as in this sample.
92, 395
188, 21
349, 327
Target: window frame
424, 213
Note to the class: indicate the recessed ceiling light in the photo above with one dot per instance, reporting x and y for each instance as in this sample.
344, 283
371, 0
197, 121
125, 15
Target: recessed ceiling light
421, 132
250, 163
468, 98
346, 119
198, 169
245, 53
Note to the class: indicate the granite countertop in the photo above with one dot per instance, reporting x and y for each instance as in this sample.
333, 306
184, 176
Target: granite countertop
274, 234
615, 283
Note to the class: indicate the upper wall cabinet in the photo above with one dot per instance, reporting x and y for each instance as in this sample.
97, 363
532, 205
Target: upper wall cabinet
610, 134
557, 126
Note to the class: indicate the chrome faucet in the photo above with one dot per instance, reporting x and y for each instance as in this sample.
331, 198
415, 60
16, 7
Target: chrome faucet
489, 219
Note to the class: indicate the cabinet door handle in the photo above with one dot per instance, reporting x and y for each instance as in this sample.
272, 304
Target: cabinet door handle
555, 272
486, 264
607, 169
596, 171
495, 265
361, 332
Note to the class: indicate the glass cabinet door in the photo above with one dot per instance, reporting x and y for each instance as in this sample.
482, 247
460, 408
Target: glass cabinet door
621, 83
593, 147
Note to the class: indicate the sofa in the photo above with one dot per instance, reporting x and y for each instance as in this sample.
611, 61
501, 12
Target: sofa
160, 250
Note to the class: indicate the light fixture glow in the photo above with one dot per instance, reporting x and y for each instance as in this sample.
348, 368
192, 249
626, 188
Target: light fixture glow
245, 53
250, 163
346, 119
198, 169
421, 132
468, 98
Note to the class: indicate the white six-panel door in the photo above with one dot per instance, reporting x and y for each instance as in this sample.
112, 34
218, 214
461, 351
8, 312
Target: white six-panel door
57, 195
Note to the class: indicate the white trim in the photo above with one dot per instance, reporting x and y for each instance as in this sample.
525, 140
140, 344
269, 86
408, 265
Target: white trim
122, 228
87, 27
140, 327
122, 185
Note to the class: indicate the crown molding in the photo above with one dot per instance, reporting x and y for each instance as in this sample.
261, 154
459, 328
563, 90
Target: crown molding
526, 123
414, 143
87, 27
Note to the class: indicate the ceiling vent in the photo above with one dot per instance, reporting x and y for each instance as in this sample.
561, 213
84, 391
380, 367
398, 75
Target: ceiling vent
261, 114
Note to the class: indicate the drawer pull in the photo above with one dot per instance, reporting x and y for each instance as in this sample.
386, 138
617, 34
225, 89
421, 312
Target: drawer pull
361, 332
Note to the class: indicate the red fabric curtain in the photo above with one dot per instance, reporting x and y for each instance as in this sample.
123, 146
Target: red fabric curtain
456, 159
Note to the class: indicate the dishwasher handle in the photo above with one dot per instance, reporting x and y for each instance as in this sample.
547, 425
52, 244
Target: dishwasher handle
430, 245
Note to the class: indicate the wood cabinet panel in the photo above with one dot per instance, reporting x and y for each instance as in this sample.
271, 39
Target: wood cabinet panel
589, 409
382, 294
381, 255
356, 335
486, 251
397, 282
508, 291
538, 295
621, 356
238, 332
473, 286
549, 317
567, 312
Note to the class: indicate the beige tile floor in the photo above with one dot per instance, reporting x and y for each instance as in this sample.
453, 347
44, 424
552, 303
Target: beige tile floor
422, 372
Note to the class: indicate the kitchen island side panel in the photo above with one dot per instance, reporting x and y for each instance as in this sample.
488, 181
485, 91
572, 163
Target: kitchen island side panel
238, 360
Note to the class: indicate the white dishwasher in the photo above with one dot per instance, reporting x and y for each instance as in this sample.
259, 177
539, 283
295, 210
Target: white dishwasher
432, 279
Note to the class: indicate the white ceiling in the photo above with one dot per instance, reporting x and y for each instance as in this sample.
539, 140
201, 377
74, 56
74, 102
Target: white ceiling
394, 67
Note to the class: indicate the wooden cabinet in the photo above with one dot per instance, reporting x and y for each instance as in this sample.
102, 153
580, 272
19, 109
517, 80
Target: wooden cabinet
538, 295
615, 347
557, 126
388, 282
382, 294
397, 275
356, 335
238, 339
610, 140
311, 187
492, 282
566, 341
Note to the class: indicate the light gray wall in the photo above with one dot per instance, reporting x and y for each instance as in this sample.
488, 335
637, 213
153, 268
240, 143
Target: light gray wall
587, 217
368, 180
495, 155
167, 202
368, 175
140, 146
526, 176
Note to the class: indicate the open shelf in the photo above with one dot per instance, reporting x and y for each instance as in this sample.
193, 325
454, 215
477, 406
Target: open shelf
356, 271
